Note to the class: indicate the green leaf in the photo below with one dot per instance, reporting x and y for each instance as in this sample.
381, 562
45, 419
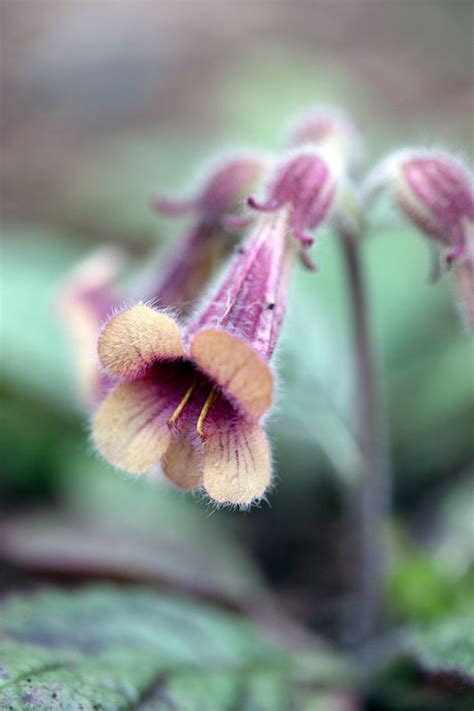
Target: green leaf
135, 530
447, 648
433, 670
109, 649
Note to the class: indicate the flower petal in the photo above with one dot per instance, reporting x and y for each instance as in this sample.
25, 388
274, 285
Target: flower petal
130, 426
137, 338
237, 467
236, 367
183, 463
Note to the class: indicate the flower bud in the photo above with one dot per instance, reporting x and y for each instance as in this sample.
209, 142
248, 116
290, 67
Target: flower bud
205, 245
436, 193
333, 132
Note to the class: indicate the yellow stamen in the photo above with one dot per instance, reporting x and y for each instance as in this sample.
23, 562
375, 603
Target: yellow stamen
182, 404
205, 410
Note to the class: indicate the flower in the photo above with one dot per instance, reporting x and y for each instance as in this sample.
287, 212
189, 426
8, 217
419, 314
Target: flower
194, 397
433, 190
304, 182
90, 292
436, 193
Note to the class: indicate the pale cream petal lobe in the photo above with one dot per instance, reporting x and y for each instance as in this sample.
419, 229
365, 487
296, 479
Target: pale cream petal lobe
137, 338
236, 367
130, 426
237, 465
182, 463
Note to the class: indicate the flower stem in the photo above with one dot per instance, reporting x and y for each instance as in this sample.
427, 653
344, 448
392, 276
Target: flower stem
370, 497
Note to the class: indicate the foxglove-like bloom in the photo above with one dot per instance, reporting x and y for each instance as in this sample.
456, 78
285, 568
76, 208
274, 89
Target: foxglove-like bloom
194, 398
437, 194
90, 293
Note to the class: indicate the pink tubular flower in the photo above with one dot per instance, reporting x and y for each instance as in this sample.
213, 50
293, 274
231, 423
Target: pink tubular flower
306, 185
437, 194
194, 399
90, 293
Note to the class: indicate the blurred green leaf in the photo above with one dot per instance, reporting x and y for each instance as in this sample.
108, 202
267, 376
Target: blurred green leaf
447, 648
109, 649
429, 670
34, 354
112, 526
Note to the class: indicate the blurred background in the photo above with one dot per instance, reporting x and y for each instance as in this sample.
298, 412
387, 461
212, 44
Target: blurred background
106, 103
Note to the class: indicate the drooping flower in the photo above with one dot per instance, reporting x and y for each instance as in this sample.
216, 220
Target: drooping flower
436, 193
194, 398
90, 293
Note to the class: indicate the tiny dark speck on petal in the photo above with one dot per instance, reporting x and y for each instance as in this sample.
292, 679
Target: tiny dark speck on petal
271, 305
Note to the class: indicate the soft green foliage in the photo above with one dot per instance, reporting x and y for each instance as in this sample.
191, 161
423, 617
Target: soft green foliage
447, 647
135, 530
433, 670
110, 649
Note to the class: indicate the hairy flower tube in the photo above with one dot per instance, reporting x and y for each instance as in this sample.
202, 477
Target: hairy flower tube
194, 398
437, 194
90, 293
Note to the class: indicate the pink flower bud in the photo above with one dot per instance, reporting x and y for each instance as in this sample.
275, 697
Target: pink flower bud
205, 245
222, 191
436, 193
304, 185
333, 131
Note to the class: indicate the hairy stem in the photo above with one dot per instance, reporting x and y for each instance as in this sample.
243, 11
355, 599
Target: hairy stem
370, 497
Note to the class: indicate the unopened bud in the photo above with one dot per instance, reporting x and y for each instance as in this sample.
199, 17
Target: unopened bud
436, 193
335, 135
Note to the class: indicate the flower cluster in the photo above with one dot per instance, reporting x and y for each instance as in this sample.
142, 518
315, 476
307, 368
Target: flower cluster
191, 396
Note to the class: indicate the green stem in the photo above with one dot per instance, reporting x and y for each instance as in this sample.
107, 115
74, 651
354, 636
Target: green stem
369, 499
